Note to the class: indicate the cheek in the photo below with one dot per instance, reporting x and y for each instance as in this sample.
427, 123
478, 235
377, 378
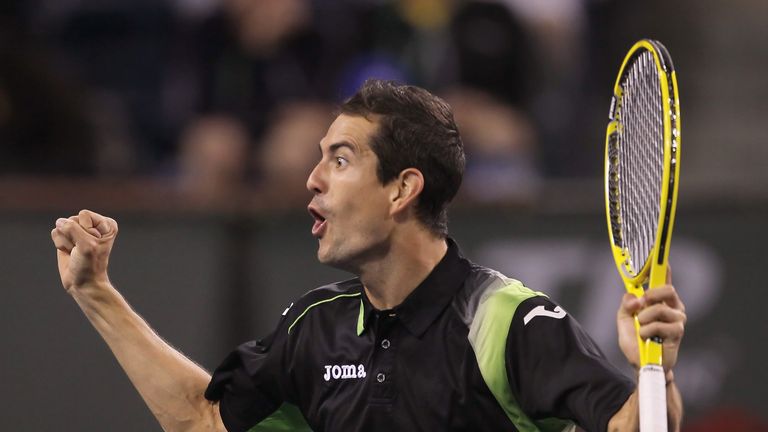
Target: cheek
364, 209
361, 202
373, 211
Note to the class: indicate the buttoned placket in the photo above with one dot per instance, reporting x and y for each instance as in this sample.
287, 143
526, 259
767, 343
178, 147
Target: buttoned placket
384, 389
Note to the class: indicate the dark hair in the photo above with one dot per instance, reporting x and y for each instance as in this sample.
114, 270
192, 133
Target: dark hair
415, 130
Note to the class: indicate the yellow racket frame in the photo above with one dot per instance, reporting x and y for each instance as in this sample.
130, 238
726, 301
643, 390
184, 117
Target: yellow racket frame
654, 270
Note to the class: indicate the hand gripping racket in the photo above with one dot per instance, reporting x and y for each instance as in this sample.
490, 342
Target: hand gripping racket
642, 167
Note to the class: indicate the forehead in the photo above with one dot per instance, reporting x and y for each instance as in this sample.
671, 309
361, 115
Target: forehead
355, 130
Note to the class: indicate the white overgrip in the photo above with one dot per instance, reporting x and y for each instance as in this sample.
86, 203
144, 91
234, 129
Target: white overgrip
653, 399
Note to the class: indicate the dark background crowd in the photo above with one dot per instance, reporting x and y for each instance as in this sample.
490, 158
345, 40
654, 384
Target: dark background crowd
213, 96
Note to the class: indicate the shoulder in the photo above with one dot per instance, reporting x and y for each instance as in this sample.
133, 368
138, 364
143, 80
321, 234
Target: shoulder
495, 307
327, 298
336, 290
489, 294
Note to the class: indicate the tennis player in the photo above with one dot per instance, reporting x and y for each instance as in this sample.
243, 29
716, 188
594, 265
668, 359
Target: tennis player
421, 339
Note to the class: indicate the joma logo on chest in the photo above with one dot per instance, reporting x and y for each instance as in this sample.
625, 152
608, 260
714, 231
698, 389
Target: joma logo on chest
343, 372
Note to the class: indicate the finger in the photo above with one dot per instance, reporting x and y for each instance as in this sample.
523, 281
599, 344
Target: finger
90, 222
670, 332
664, 294
105, 226
61, 241
630, 305
86, 224
77, 234
669, 274
662, 313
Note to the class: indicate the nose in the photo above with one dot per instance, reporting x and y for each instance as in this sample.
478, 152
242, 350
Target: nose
315, 183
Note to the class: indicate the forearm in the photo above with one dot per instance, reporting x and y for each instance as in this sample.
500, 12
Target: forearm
628, 417
170, 384
674, 407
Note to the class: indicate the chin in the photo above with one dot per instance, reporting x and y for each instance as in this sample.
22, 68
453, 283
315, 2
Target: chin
330, 261
335, 261
324, 256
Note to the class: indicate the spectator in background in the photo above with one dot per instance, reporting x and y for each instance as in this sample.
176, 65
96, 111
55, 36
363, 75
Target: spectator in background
288, 151
405, 40
481, 56
151, 67
44, 128
494, 52
251, 59
557, 31
119, 51
496, 72
213, 163
501, 145
254, 55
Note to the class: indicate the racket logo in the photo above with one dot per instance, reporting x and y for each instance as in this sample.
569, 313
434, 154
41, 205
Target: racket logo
558, 313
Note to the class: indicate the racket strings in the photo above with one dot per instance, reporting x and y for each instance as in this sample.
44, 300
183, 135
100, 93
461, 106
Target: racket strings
640, 149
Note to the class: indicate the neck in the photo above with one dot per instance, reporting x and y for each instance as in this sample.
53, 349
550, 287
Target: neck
411, 258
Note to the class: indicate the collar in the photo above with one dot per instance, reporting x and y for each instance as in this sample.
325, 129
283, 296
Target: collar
422, 306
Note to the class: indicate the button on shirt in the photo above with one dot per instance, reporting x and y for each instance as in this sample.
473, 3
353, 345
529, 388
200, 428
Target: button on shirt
469, 349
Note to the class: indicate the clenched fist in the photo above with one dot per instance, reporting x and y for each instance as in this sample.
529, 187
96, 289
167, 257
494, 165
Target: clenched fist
83, 244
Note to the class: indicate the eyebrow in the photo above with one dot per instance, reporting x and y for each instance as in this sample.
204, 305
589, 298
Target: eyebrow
336, 146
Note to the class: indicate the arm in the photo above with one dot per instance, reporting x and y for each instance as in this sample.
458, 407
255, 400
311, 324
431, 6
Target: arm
170, 384
661, 313
556, 370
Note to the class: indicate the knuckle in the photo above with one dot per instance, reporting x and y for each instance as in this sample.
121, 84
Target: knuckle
649, 330
642, 318
92, 244
64, 230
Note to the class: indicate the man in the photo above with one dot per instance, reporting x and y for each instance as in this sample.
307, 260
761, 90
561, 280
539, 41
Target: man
422, 339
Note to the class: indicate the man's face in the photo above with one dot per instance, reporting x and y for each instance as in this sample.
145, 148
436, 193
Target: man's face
350, 206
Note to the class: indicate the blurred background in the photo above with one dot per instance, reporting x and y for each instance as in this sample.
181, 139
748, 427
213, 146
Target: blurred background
194, 123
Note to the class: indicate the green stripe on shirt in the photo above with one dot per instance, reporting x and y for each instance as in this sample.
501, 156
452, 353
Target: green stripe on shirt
488, 336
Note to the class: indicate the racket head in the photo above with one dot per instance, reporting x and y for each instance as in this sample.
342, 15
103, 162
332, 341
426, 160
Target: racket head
642, 165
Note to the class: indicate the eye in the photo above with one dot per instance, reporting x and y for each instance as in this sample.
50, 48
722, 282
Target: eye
341, 162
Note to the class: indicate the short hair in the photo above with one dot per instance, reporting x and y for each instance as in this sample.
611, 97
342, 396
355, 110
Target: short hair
416, 129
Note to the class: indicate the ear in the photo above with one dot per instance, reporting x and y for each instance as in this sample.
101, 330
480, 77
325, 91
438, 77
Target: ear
406, 190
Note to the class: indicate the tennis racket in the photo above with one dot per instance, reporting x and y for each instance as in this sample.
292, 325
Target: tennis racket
642, 168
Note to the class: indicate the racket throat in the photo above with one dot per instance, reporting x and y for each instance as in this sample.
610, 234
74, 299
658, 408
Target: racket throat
650, 350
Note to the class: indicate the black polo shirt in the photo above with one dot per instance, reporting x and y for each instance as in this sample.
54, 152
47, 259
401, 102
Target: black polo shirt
469, 349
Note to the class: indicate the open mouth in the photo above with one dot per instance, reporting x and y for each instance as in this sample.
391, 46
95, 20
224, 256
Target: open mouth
318, 229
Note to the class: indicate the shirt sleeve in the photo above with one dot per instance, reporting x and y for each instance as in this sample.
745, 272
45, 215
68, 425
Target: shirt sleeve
251, 384
556, 370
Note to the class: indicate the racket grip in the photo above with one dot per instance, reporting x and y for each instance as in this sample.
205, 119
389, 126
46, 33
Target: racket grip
652, 390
